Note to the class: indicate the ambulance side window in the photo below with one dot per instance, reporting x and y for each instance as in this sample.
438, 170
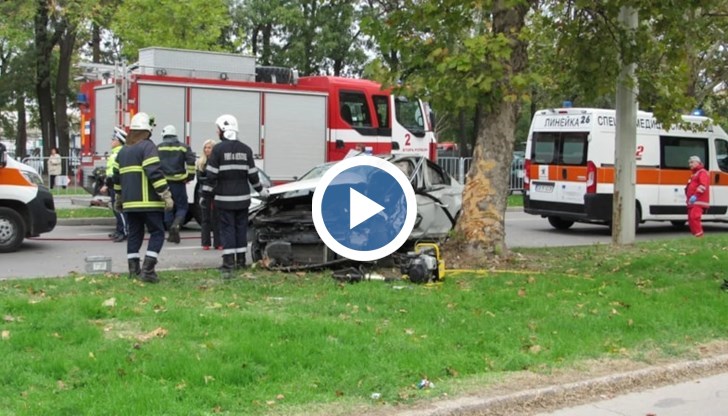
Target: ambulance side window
544, 148
573, 150
721, 152
677, 150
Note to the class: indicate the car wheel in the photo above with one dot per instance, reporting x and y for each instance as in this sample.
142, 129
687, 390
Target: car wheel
256, 250
560, 223
12, 230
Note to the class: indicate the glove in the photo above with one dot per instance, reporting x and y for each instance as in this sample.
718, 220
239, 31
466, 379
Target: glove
168, 201
118, 203
693, 199
264, 194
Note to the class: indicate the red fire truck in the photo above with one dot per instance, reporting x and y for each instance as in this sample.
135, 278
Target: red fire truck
291, 123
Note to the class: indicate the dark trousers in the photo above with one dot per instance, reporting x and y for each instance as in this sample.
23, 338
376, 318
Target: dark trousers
210, 224
233, 231
121, 220
52, 180
154, 221
179, 195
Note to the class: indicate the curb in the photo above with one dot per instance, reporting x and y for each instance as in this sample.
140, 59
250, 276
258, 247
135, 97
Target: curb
567, 395
86, 221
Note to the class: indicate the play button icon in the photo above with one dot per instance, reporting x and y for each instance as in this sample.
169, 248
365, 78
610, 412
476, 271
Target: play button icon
364, 208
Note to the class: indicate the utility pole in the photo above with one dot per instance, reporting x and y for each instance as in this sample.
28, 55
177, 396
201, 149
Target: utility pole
624, 210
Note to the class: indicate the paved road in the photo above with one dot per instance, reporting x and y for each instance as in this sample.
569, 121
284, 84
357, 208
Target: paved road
706, 396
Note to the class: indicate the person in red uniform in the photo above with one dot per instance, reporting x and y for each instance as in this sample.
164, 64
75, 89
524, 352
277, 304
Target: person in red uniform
697, 194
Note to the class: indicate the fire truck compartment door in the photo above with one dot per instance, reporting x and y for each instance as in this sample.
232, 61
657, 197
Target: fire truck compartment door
295, 134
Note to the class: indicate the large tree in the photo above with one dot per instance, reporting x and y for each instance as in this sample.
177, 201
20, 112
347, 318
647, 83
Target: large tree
464, 55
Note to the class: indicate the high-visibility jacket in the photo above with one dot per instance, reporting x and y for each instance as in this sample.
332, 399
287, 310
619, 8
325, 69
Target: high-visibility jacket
177, 159
139, 177
110, 163
699, 186
229, 169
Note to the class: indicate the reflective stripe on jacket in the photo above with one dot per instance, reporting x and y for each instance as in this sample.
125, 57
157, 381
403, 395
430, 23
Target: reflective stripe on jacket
177, 159
229, 169
139, 177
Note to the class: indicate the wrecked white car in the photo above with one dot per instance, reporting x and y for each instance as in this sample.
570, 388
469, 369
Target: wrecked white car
283, 231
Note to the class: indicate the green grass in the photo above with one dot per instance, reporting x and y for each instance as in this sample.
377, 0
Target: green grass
70, 190
515, 200
89, 212
269, 343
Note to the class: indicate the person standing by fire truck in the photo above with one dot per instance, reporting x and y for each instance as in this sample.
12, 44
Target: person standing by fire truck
230, 172
117, 141
143, 194
178, 165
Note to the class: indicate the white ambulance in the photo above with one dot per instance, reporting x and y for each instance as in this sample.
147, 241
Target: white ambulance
26, 205
570, 167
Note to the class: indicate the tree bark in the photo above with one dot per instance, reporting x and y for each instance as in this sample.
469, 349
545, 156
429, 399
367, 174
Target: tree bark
481, 226
21, 138
67, 46
44, 43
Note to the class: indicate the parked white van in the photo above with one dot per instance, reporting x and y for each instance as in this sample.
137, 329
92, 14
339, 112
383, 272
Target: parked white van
26, 205
570, 167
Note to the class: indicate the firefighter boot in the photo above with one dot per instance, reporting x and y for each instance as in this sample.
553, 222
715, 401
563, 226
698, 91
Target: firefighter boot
240, 261
148, 274
134, 269
174, 231
228, 266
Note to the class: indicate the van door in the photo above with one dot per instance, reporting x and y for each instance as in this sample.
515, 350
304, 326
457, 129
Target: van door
561, 162
719, 179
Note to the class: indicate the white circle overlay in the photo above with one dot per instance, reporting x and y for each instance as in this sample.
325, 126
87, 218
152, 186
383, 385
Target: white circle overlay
410, 200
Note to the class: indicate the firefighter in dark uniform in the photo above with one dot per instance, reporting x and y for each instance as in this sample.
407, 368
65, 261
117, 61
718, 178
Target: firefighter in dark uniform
230, 172
178, 165
143, 194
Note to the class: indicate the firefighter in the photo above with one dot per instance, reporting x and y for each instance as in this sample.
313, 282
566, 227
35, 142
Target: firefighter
144, 196
697, 193
117, 141
230, 172
178, 165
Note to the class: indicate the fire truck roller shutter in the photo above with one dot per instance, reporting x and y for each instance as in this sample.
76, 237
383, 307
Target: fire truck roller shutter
166, 105
207, 104
295, 132
105, 118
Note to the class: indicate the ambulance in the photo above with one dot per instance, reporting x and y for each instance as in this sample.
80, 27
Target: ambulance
569, 168
26, 205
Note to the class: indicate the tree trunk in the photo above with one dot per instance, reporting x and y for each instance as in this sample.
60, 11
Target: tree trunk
44, 48
96, 43
481, 227
21, 139
67, 47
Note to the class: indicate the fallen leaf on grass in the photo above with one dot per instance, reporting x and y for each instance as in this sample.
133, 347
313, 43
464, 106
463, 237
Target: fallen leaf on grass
6, 334
157, 333
109, 303
8, 318
280, 397
209, 379
522, 292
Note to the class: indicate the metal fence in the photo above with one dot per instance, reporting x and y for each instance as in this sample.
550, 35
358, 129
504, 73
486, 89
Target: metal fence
458, 168
68, 180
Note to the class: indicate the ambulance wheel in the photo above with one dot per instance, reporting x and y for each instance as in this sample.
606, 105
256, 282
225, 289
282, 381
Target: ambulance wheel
12, 230
560, 223
678, 224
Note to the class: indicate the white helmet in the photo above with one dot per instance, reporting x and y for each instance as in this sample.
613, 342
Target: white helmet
169, 130
228, 125
120, 135
141, 121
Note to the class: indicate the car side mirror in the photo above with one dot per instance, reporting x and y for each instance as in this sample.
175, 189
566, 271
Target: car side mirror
3, 156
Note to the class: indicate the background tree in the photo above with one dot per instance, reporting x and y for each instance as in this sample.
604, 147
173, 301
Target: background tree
186, 24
